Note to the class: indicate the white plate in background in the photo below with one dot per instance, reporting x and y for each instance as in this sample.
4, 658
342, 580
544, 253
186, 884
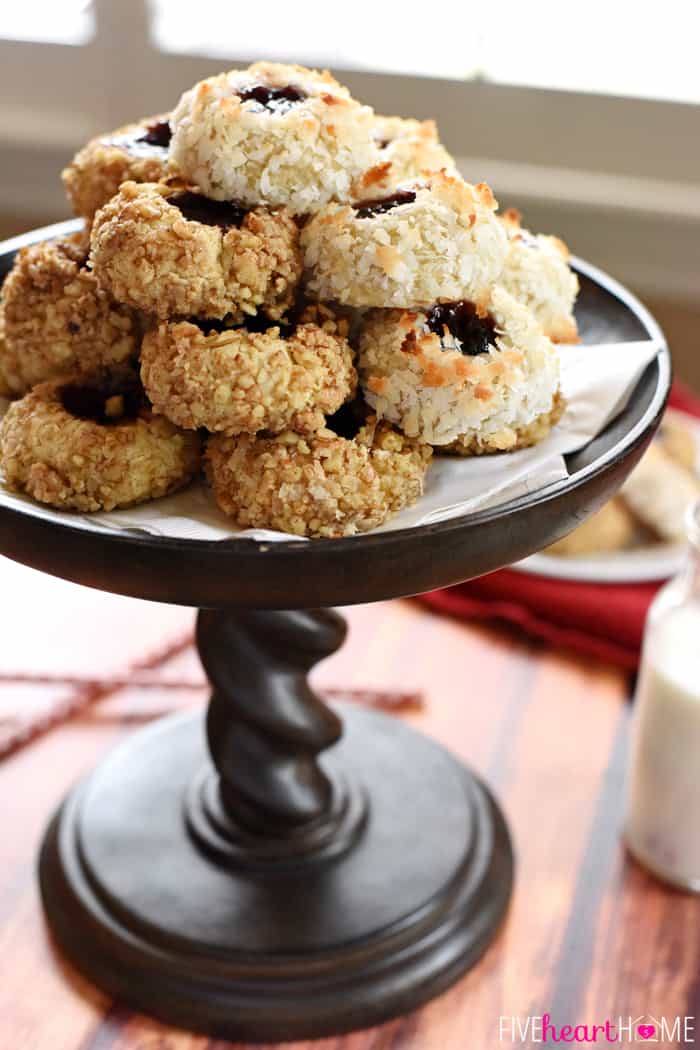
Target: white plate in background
656, 561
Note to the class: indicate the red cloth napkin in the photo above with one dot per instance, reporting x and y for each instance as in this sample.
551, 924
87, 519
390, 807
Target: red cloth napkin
603, 620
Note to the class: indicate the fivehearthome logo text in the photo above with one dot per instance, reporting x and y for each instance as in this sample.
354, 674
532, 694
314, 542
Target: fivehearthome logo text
646, 1028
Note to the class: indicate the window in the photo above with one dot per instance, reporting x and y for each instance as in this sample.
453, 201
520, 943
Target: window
48, 21
584, 116
636, 50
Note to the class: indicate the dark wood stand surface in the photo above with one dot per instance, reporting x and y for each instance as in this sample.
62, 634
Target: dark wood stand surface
294, 882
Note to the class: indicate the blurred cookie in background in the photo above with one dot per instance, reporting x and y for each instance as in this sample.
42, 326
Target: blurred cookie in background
612, 528
679, 441
659, 491
650, 507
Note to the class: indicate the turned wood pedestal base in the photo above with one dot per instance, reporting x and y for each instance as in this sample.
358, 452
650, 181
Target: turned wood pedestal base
276, 894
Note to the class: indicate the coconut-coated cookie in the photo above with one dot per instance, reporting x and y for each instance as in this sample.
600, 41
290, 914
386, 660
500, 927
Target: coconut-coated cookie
436, 238
536, 272
273, 134
510, 438
407, 149
458, 371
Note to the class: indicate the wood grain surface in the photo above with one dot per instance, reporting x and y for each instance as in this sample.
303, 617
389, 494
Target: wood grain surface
589, 935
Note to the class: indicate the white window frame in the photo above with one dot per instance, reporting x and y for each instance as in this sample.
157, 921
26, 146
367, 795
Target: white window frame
618, 177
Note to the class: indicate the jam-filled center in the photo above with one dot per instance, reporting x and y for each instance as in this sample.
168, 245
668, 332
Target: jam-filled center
158, 135
379, 205
255, 323
474, 332
115, 401
193, 206
151, 142
276, 100
347, 421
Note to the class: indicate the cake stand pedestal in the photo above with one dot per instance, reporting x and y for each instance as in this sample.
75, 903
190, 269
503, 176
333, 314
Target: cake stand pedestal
282, 869
290, 883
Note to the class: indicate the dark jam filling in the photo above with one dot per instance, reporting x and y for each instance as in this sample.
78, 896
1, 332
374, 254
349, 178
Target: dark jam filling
260, 323
369, 208
157, 135
347, 421
196, 208
105, 403
276, 100
253, 323
462, 320
153, 142
213, 325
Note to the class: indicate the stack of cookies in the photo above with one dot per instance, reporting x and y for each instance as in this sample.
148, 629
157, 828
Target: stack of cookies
280, 287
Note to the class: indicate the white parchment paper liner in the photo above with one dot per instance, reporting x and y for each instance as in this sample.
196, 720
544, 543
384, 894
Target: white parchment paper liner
596, 381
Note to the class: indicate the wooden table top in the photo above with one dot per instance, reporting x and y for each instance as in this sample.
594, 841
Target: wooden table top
589, 936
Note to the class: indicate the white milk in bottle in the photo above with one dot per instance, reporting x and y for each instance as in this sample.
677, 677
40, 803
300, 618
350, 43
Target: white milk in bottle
663, 799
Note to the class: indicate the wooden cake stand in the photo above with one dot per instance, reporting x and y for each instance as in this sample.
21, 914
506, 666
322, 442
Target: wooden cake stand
269, 871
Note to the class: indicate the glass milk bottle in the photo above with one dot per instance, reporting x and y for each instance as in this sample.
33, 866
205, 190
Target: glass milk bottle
663, 790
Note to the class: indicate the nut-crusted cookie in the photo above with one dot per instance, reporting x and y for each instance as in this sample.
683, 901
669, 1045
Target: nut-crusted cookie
58, 320
172, 252
93, 446
273, 134
324, 485
436, 238
5, 388
485, 377
241, 381
136, 152
536, 272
